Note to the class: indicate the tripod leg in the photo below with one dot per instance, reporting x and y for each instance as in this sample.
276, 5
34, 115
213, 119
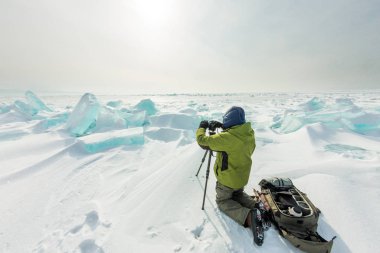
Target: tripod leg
203, 160
207, 174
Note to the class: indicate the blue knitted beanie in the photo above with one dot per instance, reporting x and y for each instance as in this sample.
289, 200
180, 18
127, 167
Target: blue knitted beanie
234, 116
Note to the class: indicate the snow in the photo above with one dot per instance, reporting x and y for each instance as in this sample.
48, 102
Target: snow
117, 173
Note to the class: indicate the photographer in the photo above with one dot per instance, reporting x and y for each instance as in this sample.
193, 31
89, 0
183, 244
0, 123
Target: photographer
234, 147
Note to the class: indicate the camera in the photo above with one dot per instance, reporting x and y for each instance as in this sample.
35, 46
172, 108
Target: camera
213, 125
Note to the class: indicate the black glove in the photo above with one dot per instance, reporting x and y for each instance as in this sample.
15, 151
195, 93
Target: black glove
203, 124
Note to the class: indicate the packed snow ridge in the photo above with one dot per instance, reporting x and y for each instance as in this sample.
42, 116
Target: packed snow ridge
109, 174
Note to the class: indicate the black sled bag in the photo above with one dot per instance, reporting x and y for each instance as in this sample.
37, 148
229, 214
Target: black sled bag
294, 215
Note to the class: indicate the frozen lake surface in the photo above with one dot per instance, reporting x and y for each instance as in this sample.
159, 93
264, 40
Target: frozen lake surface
95, 173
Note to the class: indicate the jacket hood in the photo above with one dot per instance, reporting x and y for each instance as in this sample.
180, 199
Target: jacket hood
234, 116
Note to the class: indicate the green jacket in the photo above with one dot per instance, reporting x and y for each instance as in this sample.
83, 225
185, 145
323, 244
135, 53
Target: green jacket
234, 148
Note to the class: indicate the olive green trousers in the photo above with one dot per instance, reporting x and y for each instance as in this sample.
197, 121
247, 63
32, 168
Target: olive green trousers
234, 203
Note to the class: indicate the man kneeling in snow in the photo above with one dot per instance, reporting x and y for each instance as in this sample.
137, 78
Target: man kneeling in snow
234, 147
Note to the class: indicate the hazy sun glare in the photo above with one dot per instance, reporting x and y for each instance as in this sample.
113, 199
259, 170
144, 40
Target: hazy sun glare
155, 13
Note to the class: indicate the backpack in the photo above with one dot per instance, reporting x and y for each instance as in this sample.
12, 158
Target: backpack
294, 215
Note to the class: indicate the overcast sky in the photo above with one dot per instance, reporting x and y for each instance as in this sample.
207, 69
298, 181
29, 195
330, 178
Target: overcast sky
166, 46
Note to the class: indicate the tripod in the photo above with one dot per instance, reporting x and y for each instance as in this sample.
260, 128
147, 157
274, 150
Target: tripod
209, 151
